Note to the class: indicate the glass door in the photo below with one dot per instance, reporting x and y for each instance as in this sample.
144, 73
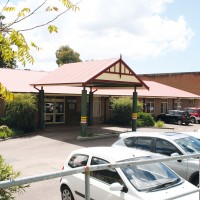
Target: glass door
49, 107
54, 110
59, 115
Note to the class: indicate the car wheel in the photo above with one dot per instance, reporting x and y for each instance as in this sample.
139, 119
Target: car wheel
193, 120
179, 122
66, 193
196, 182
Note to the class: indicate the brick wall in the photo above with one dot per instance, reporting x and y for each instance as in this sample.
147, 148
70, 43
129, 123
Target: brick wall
189, 81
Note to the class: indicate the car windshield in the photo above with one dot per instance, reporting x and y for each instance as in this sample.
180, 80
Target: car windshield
189, 144
150, 177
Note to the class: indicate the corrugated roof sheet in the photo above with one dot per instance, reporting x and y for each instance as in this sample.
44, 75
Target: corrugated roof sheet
19, 81
73, 73
156, 90
92, 73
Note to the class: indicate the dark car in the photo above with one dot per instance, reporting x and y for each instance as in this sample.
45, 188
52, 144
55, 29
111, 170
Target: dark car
175, 116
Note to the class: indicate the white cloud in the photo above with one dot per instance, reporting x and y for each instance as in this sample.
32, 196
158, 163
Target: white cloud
104, 29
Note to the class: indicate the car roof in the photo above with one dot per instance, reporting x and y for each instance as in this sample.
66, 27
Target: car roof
164, 135
113, 154
196, 108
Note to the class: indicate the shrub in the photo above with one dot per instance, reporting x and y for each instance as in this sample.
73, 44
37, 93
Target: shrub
145, 120
21, 112
122, 110
159, 124
5, 131
6, 173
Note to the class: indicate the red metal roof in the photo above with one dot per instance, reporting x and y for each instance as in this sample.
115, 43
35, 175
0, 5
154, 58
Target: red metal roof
73, 73
19, 81
96, 73
156, 90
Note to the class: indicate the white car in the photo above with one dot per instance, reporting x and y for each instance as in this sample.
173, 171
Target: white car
142, 182
167, 144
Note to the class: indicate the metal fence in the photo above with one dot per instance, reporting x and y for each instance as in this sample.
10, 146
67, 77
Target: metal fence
87, 169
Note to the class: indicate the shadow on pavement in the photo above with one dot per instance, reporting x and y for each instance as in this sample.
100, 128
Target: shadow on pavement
69, 134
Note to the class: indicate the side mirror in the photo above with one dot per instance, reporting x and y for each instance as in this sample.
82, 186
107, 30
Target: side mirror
116, 187
176, 154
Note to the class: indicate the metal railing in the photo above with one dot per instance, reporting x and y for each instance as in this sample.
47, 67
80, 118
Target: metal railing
87, 169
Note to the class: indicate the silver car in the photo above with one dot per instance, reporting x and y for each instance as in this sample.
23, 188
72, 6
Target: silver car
167, 144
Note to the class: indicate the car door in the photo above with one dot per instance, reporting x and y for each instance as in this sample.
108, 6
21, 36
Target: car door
101, 180
165, 147
77, 181
171, 118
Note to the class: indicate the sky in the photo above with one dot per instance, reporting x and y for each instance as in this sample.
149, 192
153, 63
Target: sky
153, 36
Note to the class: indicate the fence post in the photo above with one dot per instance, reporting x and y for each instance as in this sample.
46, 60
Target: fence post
87, 183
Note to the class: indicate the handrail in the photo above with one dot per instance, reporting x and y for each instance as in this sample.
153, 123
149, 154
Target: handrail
87, 169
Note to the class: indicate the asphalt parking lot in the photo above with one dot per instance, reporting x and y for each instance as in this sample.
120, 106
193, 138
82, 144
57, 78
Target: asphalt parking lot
46, 151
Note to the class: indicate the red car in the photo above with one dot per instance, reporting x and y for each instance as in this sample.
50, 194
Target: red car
194, 114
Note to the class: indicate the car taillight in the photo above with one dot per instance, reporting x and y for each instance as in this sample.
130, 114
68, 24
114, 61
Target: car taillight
63, 167
183, 117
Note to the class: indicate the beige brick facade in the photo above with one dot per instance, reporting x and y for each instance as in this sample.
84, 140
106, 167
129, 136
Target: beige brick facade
188, 81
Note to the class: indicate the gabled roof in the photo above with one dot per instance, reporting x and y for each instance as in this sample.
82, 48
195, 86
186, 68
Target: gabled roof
110, 73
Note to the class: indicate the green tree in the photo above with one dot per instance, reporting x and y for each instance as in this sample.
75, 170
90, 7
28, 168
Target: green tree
20, 113
13, 44
7, 64
6, 173
65, 54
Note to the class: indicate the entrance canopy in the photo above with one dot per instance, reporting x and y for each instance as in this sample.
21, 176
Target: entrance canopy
110, 73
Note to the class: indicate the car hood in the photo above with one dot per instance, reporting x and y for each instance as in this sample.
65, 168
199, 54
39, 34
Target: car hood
185, 187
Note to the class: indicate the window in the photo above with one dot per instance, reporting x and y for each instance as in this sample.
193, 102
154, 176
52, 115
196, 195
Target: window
164, 106
191, 101
142, 143
129, 142
108, 176
150, 106
178, 105
78, 160
165, 147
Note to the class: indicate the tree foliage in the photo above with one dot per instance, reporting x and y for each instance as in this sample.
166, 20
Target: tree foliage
65, 54
21, 112
13, 44
6, 173
12, 64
